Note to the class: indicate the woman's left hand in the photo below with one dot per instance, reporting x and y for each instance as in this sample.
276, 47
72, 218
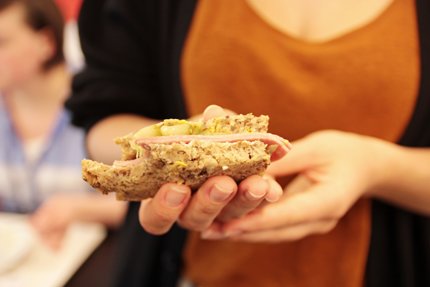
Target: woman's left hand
333, 169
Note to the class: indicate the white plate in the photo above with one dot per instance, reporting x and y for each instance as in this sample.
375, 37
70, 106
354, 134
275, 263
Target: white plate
16, 242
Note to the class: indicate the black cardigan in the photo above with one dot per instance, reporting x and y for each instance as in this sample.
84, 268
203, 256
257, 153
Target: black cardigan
133, 49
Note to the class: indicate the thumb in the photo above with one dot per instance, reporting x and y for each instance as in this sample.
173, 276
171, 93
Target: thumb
214, 111
301, 157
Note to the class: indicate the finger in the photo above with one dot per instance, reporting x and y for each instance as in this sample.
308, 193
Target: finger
300, 183
55, 239
42, 223
208, 202
275, 189
52, 238
313, 205
286, 234
250, 194
214, 231
157, 215
36, 221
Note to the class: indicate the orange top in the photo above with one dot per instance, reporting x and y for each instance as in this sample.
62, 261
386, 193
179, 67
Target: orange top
365, 81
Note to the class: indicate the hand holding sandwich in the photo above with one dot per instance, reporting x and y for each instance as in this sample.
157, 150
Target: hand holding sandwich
334, 169
218, 199
219, 158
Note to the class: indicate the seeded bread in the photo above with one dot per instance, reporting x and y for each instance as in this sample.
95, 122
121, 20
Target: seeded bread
190, 164
139, 174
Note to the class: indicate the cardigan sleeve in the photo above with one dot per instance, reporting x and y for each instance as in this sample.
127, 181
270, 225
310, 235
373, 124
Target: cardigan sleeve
120, 74
132, 50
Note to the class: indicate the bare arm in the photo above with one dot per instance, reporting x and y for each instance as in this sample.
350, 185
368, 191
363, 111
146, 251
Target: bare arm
100, 139
100, 208
52, 219
335, 169
405, 178
397, 174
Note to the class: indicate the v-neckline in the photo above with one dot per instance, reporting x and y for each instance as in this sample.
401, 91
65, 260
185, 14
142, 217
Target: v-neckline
357, 30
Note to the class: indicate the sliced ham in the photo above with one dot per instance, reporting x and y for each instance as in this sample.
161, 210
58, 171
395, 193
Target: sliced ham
282, 146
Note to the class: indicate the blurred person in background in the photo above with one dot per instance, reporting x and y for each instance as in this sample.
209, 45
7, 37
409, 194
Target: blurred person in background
40, 151
347, 81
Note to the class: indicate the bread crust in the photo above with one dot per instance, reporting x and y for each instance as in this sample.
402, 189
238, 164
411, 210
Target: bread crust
183, 163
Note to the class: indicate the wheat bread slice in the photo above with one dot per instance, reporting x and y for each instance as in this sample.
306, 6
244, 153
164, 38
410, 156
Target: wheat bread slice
183, 163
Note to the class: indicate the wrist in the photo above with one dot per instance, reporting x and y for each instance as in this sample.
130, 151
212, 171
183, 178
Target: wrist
402, 177
383, 160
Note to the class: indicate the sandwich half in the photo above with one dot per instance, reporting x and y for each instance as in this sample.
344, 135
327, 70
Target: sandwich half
187, 152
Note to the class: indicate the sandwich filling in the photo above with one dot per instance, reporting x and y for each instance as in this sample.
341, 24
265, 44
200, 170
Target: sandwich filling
222, 129
187, 152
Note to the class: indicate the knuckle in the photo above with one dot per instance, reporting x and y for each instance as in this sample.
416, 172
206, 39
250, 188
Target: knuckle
337, 212
195, 225
327, 227
162, 217
187, 225
158, 225
200, 219
209, 211
233, 213
336, 207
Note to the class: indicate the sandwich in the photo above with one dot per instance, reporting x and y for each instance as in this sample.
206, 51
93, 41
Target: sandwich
187, 152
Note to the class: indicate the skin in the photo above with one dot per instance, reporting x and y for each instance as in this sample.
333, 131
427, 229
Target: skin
52, 219
219, 198
329, 178
30, 92
318, 20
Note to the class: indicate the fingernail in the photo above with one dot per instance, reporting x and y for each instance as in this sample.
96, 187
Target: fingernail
212, 235
273, 198
176, 196
219, 193
255, 194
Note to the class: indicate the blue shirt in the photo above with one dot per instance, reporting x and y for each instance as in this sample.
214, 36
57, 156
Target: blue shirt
24, 184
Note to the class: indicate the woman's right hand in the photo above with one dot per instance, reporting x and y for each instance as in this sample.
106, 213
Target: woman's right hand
218, 200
